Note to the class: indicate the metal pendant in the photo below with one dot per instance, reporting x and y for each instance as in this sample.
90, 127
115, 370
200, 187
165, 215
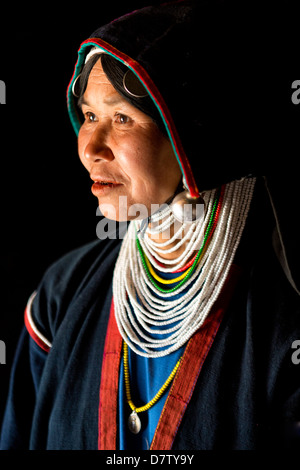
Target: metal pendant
186, 208
134, 423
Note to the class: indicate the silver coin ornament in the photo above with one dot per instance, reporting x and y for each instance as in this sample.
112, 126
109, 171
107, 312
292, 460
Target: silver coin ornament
133, 86
187, 208
134, 423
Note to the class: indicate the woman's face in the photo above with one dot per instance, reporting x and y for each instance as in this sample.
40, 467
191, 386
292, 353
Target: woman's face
124, 152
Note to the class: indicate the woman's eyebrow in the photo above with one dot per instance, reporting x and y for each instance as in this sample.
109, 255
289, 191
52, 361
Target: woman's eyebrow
81, 101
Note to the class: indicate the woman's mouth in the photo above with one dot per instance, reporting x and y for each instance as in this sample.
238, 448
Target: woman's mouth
101, 187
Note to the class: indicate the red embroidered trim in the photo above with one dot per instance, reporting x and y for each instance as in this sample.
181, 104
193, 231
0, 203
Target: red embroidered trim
183, 384
35, 335
190, 368
108, 399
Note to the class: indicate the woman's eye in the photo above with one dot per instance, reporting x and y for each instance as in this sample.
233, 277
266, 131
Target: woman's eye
122, 118
90, 117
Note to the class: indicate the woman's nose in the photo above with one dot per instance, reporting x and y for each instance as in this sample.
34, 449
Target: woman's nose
97, 147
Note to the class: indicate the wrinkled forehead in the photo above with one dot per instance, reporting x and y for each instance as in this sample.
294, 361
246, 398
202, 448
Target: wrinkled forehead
98, 77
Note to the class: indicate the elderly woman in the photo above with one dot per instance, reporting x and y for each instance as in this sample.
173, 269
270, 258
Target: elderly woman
177, 334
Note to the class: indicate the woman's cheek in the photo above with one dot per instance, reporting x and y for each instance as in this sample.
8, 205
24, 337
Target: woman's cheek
81, 145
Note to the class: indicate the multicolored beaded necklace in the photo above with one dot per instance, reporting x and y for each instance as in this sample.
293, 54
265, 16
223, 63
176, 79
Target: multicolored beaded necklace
190, 267
156, 316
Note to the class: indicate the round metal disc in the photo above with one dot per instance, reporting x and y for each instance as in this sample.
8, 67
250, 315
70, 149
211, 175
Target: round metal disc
134, 423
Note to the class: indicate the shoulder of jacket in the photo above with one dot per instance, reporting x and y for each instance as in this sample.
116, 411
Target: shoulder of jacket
62, 281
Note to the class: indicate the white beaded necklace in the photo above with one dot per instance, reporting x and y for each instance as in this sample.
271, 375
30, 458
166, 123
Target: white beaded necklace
155, 323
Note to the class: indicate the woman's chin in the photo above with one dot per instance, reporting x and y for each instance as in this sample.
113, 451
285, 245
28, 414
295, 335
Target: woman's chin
123, 211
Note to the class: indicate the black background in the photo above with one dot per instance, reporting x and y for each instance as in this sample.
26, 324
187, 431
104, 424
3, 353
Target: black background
46, 204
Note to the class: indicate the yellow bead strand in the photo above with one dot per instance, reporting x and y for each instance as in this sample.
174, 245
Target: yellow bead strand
159, 393
165, 281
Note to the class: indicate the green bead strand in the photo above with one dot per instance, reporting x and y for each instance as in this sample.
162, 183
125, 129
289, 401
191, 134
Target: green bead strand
193, 267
